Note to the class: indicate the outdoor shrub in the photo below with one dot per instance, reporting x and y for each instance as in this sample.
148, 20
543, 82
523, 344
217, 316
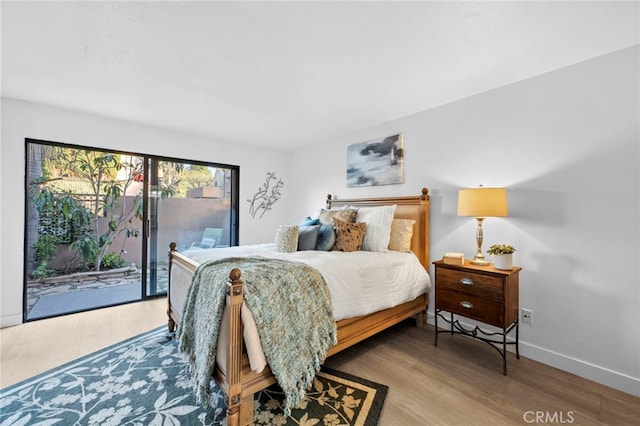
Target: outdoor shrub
60, 214
46, 247
43, 271
112, 260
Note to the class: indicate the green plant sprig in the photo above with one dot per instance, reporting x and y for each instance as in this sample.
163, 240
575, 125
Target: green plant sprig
501, 249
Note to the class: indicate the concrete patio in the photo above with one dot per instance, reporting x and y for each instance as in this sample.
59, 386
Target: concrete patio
84, 291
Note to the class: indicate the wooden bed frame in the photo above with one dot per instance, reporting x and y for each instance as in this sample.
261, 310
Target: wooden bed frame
237, 379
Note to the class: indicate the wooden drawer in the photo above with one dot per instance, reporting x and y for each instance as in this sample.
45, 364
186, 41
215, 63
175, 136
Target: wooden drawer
473, 284
470, 306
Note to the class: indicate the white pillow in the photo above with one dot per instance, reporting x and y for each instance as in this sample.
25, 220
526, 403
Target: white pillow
287, 238
378, 220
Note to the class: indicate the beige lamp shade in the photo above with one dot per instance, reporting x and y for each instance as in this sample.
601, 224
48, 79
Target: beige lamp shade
482, 202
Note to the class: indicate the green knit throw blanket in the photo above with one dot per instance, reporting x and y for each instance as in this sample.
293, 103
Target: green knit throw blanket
292, 308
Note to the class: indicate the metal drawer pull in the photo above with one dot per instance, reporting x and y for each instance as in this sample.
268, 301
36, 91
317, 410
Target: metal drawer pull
466, 281
467, 305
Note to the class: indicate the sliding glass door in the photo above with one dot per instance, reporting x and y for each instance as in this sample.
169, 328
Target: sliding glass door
192, 205
83, 229
98, 223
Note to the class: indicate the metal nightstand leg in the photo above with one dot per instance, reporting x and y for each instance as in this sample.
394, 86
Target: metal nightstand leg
483, 335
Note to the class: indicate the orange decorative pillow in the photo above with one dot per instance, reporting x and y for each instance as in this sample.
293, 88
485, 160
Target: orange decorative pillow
349, 235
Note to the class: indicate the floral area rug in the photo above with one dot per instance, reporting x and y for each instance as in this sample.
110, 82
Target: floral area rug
145, 381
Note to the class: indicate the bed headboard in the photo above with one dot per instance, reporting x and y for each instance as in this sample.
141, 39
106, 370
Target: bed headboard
413, 207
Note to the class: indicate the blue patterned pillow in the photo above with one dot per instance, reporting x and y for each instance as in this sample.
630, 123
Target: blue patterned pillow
326, 238
310, 222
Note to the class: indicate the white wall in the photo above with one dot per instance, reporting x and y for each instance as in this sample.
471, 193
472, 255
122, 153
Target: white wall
22, 120
566, 146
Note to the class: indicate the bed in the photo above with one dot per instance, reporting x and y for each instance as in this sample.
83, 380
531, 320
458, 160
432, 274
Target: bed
233, 371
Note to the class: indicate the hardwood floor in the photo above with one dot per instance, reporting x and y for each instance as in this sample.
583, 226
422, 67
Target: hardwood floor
34, 347
459, 382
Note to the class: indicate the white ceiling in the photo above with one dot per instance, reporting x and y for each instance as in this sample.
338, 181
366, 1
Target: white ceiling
286, 74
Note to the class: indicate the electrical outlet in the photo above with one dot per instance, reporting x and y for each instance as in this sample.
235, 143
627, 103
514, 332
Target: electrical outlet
527, 316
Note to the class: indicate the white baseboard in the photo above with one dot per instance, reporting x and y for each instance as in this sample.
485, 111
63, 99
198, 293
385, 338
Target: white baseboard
581, 368
10, 320
575, 366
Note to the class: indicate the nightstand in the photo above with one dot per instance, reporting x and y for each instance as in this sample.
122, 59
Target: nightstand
482, 293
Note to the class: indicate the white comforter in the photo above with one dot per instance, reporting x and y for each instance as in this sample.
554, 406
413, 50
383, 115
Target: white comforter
360, 282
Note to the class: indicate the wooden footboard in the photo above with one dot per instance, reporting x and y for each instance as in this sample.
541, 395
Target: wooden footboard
236, 378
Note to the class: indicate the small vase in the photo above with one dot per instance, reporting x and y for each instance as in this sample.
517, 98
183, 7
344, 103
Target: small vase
503, 261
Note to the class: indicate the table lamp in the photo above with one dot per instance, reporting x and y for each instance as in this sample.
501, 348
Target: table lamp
482, 203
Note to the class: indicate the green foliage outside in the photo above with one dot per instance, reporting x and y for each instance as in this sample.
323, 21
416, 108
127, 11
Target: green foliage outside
45, 248
79, 188
107, 177
177, 179
112, 260
43, 270
62, 215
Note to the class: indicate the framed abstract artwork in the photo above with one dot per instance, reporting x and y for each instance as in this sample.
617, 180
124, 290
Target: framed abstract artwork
376, 162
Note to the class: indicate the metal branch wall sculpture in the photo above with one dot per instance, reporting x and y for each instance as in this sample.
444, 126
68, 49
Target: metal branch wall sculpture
266, 196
